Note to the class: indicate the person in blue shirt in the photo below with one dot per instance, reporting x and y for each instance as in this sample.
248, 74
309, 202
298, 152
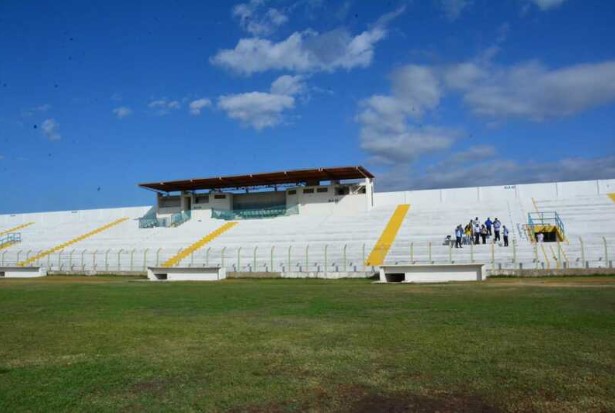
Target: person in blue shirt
458, 235
488, 224
496, 230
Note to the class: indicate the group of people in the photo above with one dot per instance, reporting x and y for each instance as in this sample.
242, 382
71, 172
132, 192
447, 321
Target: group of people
474, 232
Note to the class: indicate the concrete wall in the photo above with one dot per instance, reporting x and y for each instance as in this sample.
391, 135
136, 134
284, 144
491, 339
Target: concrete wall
543, 191
53, 218
259, 199
312, 200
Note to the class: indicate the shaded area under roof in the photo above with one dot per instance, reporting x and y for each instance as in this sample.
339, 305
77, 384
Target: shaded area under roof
297, 176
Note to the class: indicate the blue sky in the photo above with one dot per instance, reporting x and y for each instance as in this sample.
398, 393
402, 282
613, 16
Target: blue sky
96, 97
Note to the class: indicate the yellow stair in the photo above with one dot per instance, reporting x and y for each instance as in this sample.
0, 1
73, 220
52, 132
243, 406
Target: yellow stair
612, 196
17, 228
382, 247
6, 245
72, 241
173, 261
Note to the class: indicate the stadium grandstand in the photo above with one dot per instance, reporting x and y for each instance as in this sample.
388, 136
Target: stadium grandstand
324, 222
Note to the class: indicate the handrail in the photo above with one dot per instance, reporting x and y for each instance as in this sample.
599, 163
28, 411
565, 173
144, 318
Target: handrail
259, 213
546, 218
151, 221
10, 238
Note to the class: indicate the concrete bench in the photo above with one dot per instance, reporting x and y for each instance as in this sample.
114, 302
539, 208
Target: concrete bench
432, 273
22, 272
186, 273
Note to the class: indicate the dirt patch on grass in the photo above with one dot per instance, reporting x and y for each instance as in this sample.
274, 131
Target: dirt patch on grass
360, 399
408, 402
153, 386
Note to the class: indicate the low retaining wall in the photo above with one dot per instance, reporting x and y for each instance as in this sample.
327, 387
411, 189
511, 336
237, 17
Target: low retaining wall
22, 272
552, 272
432, 273
186, 273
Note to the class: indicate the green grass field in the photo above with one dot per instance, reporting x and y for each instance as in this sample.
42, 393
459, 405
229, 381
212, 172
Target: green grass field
111, 343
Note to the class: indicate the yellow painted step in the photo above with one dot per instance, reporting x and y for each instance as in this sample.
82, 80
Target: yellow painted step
382, 247
612, 196
6, 245
173, 261
17, 228
72, 241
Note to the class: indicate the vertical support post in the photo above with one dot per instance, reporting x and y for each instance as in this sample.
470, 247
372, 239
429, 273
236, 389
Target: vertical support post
254, 259
606, 253
82, 260
450, 253
18, 254
307, 260
536, 254
582, 252
158, 257
289, 248
514, 245
344, 253
3, 252
363, 254
119, 259
132, 256
559, 255
94, 260
430, 261
192, 259
412, 253
207, 256
326, 261
492, 256
70, 260
271, 258
107, 260
145, 259
238, 259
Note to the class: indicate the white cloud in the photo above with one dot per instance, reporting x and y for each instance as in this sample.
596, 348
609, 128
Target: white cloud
40, 109
50, 129
417, 87
473, 154
530, 90
197, 105
547, 4
164, 106
256, 109
503, 171
256, 22
389, 132
264, 110
306, 51
122, 112
288, 85
453, 8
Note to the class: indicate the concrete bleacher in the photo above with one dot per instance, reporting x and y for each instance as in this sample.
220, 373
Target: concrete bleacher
334, 243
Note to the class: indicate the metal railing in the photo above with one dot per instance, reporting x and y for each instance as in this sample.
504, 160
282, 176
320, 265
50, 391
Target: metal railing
10, 238
536, 219
257, 213
151, 221
322, 259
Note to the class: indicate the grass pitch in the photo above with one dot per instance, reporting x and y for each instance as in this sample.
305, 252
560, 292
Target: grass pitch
109, 344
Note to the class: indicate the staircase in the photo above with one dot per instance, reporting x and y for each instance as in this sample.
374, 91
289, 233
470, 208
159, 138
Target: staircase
173, 261
72, 241
9, 239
